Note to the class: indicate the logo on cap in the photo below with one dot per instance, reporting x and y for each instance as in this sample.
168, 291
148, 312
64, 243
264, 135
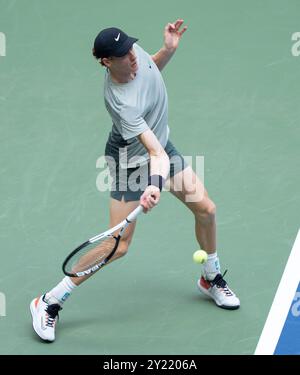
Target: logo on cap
105, 46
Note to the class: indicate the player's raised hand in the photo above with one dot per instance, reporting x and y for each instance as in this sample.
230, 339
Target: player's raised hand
173, 33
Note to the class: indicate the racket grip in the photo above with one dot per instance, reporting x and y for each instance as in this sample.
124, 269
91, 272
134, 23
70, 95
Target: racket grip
133, 215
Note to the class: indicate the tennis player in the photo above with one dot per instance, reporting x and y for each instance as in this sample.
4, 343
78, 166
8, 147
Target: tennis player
141, 159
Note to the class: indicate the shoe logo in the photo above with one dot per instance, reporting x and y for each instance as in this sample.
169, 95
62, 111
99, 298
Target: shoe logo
117, 38
42, 324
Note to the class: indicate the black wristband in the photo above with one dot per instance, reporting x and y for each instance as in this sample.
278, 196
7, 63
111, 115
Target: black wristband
156, 180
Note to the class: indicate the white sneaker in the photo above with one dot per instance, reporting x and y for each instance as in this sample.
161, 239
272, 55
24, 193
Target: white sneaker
44, 318
219, 291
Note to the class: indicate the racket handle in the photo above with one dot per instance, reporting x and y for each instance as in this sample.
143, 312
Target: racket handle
133, 215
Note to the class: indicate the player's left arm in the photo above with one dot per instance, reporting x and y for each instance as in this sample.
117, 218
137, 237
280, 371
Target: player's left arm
172, 35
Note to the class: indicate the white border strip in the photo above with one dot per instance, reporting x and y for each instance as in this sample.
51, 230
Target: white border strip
2, 44
281, 304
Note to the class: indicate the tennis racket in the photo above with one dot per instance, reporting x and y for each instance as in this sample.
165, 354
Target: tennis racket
93, 254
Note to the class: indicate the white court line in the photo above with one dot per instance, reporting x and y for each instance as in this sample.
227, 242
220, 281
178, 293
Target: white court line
282, 302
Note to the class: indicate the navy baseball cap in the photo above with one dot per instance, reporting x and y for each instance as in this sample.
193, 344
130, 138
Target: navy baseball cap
112, 42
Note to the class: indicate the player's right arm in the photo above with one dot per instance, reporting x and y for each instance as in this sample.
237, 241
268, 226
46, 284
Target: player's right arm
159, 169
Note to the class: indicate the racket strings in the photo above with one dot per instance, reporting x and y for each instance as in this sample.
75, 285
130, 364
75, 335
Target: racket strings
92, 255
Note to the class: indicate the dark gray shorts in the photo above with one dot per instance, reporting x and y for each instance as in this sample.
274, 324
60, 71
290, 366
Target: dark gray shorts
130, 183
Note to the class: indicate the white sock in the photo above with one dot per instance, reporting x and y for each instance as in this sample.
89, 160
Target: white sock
61, 292
212, 266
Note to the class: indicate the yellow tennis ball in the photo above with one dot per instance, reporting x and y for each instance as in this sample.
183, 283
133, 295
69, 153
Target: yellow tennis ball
200, 256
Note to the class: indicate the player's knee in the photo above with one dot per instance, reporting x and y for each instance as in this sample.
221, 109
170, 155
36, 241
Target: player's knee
123, 247
211, 209
206, 212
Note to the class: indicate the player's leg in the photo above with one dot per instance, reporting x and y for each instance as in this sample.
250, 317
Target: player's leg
44, 309
186, 186
118, 210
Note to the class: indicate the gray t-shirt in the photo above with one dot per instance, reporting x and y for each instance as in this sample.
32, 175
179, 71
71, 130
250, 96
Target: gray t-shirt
136, 106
